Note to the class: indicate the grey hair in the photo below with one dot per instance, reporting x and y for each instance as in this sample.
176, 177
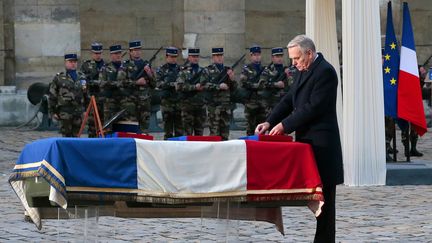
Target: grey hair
305, 43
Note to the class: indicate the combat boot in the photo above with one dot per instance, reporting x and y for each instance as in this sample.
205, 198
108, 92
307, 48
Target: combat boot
414, 152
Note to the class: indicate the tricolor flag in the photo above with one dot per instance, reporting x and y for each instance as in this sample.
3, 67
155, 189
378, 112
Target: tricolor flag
170, 171
410, 104
390, 67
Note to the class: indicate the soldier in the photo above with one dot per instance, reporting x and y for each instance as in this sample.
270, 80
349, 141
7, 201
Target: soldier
389, 136
113, 76
91, 68
219, 81
193, 110
249, 80
66, 97
166, 77
275, 80
143, 81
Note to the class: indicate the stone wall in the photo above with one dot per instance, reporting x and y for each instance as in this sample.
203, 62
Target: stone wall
155, 23
44, 31
273, 23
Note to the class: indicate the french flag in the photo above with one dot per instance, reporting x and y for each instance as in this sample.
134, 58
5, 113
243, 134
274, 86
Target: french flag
410, 104
173, 169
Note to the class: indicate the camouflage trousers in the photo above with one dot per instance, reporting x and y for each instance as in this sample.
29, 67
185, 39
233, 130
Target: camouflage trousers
70, 124
171, 116
128, 104
91, 121
389, 132
193, 118
143, 109
269, 105
219, 119
110, 108
255, 114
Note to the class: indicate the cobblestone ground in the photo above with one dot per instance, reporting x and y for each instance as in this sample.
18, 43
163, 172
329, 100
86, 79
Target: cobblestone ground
364, 214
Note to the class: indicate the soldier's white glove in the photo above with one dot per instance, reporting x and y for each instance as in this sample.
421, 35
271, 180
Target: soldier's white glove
223, 86
280, 84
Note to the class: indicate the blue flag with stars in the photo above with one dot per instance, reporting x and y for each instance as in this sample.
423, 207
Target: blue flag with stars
390, 67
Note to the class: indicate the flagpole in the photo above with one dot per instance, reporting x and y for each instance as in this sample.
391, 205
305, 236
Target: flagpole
394, 141
407, 154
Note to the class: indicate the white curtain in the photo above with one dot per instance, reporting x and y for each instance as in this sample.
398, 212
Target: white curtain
321, 27
363, 109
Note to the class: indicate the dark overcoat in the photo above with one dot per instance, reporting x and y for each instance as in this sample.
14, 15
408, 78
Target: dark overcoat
309, 109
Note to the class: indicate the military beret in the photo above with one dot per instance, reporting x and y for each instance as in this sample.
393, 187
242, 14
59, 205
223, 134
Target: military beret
277, 51
115, 48
96, 47
171, 51
193, 51
217, 51
135, 44
255, 49
70, 56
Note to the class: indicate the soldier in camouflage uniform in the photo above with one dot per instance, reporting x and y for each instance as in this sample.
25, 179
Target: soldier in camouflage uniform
66, 97
91, 68
249, 80
193, 110
275, 80
143, 81
115, 78
389, 136
166, 77
219, 105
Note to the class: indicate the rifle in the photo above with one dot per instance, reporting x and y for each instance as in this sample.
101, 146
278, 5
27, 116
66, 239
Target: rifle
223, 75
149, 62
427, 61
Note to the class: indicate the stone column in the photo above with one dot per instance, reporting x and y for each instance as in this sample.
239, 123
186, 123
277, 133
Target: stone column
7, 53
44, 30
210, 23
363, 108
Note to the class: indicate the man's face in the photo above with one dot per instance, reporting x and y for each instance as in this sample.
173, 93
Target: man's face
135, 53
71, 64
277, 59
218, 59
422, 71
171, 59
193, 59
300, 60
116, 57
96, 56
255, 57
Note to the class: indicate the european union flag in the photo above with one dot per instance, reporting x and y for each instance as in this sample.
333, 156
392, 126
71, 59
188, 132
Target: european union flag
390, 67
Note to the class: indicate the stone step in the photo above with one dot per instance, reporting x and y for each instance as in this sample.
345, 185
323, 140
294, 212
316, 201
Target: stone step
409, 173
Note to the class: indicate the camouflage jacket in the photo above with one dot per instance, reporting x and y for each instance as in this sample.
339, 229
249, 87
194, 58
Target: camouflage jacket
114, 81
211, 81
65, 94
186, 85
135, 72
269, 77
249, 81
91, 71
165, 81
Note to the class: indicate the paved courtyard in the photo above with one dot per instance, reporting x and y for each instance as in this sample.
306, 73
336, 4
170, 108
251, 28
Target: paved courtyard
364, 214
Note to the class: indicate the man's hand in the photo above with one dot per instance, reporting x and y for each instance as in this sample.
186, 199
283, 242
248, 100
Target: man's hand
262, 128
141, 81
148, 70
230, 73
280, 84
223, 86
55, 116
277, 130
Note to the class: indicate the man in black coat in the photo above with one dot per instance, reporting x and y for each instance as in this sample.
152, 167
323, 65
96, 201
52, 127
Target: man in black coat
309, 109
